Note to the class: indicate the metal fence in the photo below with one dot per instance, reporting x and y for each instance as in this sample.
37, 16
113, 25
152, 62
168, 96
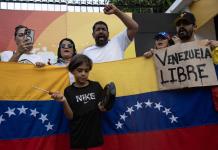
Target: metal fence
55, 5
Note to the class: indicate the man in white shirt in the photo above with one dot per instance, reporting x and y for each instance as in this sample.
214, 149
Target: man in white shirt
23, 52
106, 50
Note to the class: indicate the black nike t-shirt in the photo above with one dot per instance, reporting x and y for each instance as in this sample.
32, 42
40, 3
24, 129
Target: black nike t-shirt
85, 127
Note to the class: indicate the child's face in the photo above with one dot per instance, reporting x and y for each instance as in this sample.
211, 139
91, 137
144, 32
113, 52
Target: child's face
81, 74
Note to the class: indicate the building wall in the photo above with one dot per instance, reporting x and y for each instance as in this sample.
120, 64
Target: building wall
149, 25
207, 31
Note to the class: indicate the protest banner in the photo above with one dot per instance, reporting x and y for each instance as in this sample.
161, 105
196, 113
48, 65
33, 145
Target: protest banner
185, 65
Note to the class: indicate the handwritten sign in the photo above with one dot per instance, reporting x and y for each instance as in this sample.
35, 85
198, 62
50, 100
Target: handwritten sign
185, 65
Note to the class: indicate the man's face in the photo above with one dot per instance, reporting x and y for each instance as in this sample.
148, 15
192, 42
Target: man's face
100, 34
20, 35
184, 30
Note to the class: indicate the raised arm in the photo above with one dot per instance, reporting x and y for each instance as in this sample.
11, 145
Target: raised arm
132, 26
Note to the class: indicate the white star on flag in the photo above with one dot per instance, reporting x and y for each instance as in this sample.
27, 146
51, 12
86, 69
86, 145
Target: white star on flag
158, 106
119, 125
138, 105
1, 119
167, 111
49, 126
173, 119
10, 112
130, 110
43, 118
34, 112
22, 110
123, 117
148, 103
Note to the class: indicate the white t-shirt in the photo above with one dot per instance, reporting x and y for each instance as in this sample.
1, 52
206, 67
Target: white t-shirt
24, 58
113, 50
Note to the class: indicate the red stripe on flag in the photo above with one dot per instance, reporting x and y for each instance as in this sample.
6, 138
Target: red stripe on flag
55, 142
195, 138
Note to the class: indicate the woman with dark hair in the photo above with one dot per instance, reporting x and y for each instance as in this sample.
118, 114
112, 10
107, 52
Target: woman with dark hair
66, 51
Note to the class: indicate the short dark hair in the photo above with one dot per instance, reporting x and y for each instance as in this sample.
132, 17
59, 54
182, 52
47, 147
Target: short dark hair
59, 47
97, 23
78, 60
17, 28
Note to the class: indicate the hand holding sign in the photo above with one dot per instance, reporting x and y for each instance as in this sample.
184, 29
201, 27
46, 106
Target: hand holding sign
185, 65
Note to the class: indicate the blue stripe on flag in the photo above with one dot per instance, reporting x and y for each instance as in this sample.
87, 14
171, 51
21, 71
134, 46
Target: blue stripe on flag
161, 110
25, 119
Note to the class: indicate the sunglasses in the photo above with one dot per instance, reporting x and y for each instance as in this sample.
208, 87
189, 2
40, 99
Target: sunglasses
66, 45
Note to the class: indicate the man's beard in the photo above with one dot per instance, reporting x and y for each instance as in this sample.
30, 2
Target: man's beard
101, 41
184, 35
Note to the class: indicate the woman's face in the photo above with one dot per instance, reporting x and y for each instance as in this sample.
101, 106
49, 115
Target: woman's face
20, 35
66, 49
161, 43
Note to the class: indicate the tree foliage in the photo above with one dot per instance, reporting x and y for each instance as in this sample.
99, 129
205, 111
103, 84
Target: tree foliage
142, 6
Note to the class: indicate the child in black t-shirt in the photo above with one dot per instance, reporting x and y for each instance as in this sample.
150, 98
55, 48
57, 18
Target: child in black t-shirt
82, 105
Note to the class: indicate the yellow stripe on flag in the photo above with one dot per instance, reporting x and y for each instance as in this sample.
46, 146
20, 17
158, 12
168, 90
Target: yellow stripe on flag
131, 76
17, 81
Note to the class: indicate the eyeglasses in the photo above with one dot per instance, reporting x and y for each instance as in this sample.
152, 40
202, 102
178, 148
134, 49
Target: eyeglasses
66, 45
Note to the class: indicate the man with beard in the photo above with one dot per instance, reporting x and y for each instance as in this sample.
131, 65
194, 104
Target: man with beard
185, 27
104, 49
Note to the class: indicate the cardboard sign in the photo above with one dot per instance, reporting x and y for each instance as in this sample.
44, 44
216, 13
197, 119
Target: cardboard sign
185, 65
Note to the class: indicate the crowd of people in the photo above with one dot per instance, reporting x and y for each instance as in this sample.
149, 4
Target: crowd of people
185, 32
82, 99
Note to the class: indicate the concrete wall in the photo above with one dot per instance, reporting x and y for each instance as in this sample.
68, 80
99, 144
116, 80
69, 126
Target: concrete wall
207, 31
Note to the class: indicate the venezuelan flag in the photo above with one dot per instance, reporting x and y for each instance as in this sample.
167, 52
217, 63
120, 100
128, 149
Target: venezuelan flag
29, 118
143, 118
